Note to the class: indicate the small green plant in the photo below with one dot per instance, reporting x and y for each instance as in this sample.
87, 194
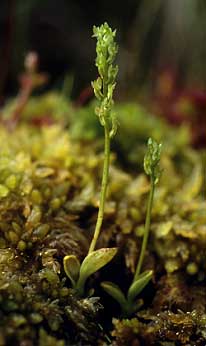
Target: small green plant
103, 89
103, 86
128, 303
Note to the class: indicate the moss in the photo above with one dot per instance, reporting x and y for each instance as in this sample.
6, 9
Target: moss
36, 233
49, 193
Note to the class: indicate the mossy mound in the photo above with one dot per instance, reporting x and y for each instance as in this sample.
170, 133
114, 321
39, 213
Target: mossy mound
49, 194
41, 177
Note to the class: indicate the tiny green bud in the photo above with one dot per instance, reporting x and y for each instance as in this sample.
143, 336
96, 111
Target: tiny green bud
11, 182
16, 227
41, 231
21, 245
152, 159
192, 268
36, 197
4, 191
55, 203
64, 292
34, 217
35, 318
13, 237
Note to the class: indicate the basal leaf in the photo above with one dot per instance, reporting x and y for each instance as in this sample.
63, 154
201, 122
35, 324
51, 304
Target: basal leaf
72, 268
93, 262
115, 292
138, 285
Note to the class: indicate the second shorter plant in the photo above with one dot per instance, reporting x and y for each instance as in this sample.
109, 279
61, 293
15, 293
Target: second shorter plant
129, 303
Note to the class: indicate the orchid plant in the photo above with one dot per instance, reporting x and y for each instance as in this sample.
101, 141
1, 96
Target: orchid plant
103, 86
129, 303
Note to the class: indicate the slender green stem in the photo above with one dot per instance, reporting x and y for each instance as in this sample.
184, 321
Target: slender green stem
103, 191
146, 230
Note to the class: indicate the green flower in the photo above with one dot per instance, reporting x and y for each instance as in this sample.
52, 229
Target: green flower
152, 159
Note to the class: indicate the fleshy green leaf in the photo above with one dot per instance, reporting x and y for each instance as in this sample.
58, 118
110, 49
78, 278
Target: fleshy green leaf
115, 292
93, 262
72, 268
139, 284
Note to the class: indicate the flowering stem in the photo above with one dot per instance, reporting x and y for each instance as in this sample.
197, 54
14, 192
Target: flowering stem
103, 86
103, 192
146, 230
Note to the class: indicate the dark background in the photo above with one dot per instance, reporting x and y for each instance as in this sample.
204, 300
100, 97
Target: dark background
152, 35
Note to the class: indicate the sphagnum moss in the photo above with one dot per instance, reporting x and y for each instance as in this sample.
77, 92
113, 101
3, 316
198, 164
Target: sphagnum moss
34, 238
